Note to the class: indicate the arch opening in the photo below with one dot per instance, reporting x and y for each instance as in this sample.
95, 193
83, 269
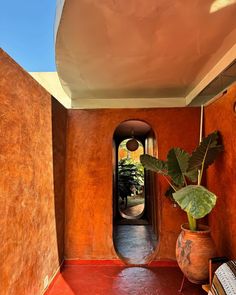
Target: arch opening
135, 212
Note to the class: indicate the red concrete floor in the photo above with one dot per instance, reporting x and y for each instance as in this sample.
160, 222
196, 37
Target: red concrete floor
120, 280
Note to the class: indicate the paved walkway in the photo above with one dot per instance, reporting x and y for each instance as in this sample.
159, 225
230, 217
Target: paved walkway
134, 211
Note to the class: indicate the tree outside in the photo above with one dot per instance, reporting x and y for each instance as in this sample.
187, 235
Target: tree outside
130, 177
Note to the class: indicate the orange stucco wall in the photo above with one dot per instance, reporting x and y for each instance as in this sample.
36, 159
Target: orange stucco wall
31, 225
88, 231
221, 176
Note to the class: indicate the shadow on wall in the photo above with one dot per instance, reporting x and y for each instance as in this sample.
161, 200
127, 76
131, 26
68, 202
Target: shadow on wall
59, 124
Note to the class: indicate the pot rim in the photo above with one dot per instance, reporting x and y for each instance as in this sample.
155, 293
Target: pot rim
202, 228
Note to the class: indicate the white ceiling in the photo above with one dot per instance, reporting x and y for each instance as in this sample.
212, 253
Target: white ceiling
50, 81
153, 53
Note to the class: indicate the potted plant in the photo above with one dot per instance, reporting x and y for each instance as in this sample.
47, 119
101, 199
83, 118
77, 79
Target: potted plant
184, 174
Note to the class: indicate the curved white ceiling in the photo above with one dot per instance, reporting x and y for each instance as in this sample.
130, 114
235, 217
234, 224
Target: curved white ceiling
141, 53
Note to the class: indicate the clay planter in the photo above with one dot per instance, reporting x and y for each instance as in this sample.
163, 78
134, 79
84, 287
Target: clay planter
193, 250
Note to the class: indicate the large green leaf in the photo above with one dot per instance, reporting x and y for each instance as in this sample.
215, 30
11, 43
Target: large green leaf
192, 175
153, 164
196, 200
177, 162
205, 153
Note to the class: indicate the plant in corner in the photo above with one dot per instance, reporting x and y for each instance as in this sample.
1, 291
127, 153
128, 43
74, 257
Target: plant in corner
184, 174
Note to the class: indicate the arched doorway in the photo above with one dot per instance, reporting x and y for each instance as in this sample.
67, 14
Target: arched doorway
135, 222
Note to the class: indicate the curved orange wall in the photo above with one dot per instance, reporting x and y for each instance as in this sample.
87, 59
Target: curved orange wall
88, 231
221, 176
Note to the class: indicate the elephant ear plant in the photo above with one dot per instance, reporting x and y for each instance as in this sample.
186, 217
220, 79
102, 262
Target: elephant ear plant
184, 174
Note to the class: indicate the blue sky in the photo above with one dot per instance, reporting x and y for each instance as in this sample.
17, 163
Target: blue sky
26, 32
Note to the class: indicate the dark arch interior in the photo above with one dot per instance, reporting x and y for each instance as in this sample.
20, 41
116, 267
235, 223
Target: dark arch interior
135, 232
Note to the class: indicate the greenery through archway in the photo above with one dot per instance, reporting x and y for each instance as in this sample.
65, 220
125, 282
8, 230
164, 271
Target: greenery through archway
130, 177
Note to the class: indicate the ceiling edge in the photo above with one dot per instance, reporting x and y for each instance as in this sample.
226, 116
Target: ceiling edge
59, 9
50, 81
219, 95
128, 103
223, 63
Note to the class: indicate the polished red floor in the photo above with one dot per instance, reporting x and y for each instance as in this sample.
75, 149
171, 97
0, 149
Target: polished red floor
134, 243
120, 280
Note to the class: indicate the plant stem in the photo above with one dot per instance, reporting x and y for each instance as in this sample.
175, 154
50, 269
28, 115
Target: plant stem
200, 174
192, 222
198, 177
185, 182
203, 164
170, 183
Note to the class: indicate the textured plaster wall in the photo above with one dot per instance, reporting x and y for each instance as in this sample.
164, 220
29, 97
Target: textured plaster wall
28, 221
222, 175
88, 231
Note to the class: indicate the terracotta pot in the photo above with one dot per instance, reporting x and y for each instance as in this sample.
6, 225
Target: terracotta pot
193, 250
